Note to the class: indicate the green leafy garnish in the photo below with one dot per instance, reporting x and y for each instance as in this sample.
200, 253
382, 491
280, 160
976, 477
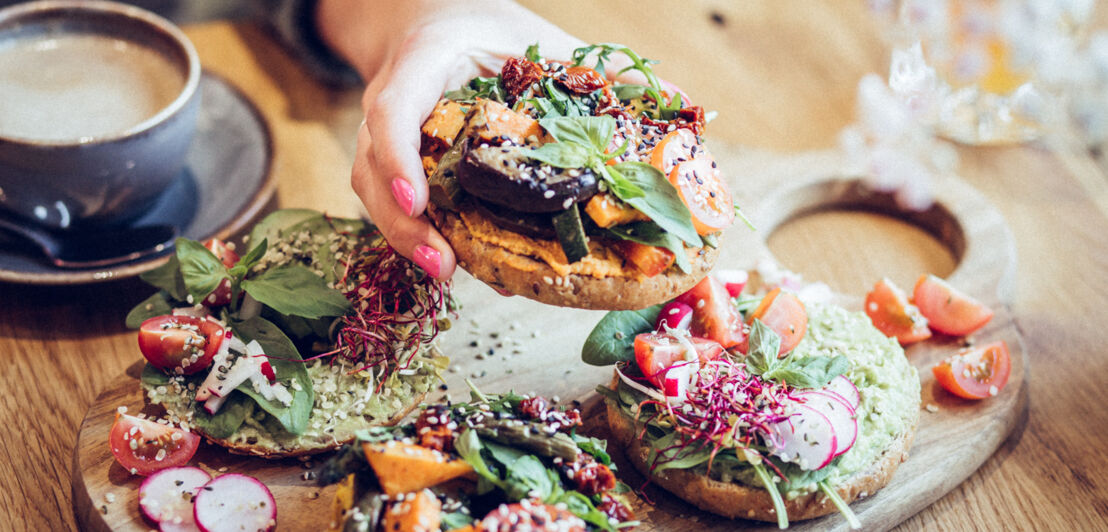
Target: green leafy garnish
294, 289
613, 338
604, 51
200, 268
801, 372
289, 367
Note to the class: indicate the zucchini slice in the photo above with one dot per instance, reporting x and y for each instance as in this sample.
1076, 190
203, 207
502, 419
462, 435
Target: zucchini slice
571, 233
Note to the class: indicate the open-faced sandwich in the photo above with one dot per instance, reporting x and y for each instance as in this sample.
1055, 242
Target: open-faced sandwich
319, 330
505, 462
552, 182
764, 406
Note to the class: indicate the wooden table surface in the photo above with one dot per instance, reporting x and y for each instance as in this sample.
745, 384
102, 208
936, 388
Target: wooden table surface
782, 76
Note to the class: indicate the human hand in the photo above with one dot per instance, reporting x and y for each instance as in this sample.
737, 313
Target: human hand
411, 52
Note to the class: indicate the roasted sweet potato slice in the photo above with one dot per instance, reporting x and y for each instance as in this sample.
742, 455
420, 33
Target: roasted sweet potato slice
446, 120
607, 211
406, 467
418, 512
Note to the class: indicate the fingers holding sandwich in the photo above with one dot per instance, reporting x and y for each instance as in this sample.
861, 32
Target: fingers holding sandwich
412, 236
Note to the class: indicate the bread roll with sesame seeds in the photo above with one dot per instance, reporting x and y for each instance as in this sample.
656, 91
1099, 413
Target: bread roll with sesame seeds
519, 265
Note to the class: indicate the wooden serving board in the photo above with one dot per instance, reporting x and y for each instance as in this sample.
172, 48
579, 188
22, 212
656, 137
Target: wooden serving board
515, 343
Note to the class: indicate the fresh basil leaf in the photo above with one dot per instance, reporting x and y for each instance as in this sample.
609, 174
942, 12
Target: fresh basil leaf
764, 344
251, 258
613, 338
289, 367
200, 268
275, 223
660, 201
152, 376
809, 372
294, 290
561, 154
507, 456
594, 132
596, 447
620, 185
532, 53
151, 307
227, 420
627, 92
648, 233
168, 277
463, 94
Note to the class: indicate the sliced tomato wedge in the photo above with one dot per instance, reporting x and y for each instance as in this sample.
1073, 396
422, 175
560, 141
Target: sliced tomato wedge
714, 317
785, 314
977, 372
947, 309
181, 344
143, 446
701, 187
888, 308
657, 352
650, 260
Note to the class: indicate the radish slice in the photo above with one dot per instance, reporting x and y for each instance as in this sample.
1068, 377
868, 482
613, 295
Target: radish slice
733, 280
846, 389
839, 413
677, 379
166, 496
806, 438
235, 502
675, 315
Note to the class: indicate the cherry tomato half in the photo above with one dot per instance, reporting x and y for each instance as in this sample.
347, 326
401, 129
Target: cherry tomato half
676, 147
714, 317
785, 314
186, 343
975, 373
656, 352
888, 308
947, 309
701, 187
222, 251
143, 446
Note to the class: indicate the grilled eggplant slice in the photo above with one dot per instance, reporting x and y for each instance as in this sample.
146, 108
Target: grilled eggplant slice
504, 175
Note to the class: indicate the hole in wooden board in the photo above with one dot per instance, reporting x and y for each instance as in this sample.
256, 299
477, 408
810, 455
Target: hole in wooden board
852, 249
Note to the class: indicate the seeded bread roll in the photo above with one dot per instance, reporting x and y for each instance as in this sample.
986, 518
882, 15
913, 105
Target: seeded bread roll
519, 265
735, 500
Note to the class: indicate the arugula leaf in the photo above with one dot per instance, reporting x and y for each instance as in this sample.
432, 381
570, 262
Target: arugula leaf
596, 447
809, 372
659, 201
469, 446
151, 307
478, 87
200, 268
168, 277
532, 53
294, 290
613, 338
650, 234
654, 91
629, 91
774, 495
564, 104
761, 357
227, 420
527, 477
580, 505
455, 520
288, 365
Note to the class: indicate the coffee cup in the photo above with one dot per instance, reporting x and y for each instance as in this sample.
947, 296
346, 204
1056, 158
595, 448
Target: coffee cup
98, 104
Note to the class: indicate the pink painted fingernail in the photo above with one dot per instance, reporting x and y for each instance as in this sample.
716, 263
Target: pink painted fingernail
405, 195
429, 259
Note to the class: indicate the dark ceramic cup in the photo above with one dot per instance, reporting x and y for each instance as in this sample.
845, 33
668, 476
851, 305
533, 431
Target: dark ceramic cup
92, 134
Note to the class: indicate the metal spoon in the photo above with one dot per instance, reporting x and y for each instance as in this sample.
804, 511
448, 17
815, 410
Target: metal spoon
94, 249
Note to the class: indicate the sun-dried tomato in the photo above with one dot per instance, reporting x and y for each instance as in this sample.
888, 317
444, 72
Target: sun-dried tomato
591, 477
534, 408
615, 508
518, 74
433, 429
537, 408
581, 79
693, 116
